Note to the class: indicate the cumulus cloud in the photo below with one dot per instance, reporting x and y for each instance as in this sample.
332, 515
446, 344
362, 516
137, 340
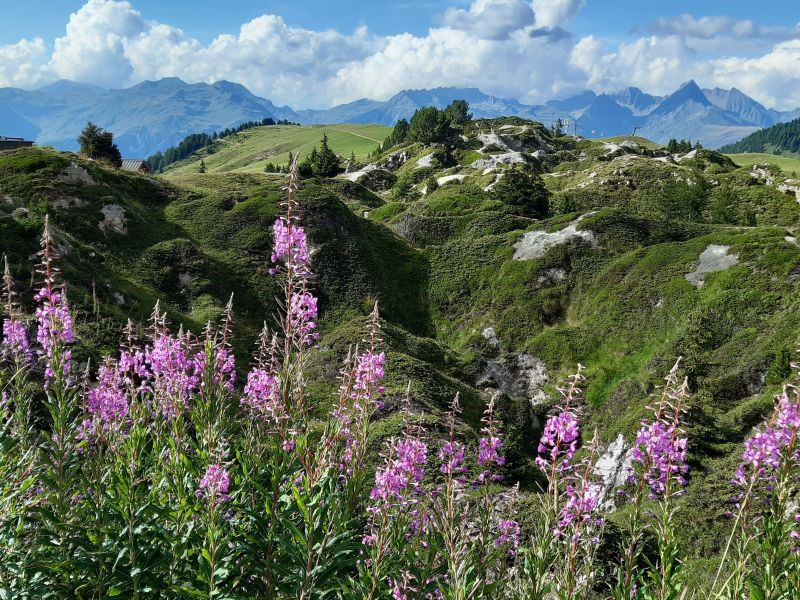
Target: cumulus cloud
552, 13
490, 19
22, 64
656, 64
514, 48
773, 79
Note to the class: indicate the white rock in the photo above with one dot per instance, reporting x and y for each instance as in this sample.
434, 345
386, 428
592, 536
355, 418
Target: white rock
491, 335
611, 470
519, 376
76, 175
114, 219
713, 259
448, 178
535, 244
425, 161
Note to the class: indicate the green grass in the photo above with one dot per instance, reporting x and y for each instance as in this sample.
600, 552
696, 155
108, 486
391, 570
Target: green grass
644, 142
250, 150
442, 269
788, 164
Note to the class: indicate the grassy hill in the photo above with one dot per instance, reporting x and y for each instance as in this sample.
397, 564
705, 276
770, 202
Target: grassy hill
249, 151
788, 164
476, 292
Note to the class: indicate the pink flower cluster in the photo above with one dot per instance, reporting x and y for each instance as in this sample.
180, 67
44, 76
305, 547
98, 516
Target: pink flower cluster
401, 477
174, 375
369, 372
215, 483
55, 328
302, 315
290, 246
224, 366
559, 441
508, 533
15, 340
581, 508
763, 451
452, 456
660, 448
262, 396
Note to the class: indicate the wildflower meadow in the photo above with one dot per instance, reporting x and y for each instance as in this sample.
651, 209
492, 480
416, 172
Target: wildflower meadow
162, 472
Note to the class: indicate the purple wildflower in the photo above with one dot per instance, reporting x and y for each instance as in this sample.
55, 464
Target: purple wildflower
488, 450
508, 533
290, 246
302, 312
224, 366
559, 441
661, 449
369, 372
580, 508
262, 396
452, 456
215, 483
174, 375
55, 328
400, 478
15, 340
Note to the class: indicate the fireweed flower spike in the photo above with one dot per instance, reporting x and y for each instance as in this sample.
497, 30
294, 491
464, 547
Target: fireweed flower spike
561, 436
215, 484
765, 480
659, 466
15, 341
53, 316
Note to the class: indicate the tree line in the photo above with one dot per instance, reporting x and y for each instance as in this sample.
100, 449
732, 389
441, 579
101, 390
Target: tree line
428, 125
783, 137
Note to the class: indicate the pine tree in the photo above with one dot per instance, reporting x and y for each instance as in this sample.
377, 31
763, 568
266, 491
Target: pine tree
202, 166
99, 144
324, 162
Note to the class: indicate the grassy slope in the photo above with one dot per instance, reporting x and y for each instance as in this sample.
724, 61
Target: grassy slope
443, 270
788, 164
250, 150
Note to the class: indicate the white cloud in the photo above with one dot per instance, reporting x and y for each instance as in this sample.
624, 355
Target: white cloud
513, 48
552, 13
707, 28
93, 49
490, 19
773, 79
656, 64
22, 64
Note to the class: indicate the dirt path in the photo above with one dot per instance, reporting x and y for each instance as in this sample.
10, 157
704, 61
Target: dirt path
357, 135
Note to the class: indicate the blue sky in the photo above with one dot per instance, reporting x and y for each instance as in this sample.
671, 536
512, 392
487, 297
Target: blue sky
612, 20
317, 52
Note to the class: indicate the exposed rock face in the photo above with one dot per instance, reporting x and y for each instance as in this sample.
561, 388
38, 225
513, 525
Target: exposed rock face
396, 160
67, 202
519, 375
535, 244
491, 162
714, 258
425, 161
76, 175
113, 219
760, 172
448, 178
790, 189
612, 470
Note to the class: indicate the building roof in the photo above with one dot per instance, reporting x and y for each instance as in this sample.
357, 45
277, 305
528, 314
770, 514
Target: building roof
134, 164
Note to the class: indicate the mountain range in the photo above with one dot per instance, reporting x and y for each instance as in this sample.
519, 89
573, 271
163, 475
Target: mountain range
153, 115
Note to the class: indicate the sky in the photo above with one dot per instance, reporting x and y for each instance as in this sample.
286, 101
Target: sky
317, 53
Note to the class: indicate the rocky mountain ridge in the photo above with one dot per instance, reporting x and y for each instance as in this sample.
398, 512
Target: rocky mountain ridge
153, 115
